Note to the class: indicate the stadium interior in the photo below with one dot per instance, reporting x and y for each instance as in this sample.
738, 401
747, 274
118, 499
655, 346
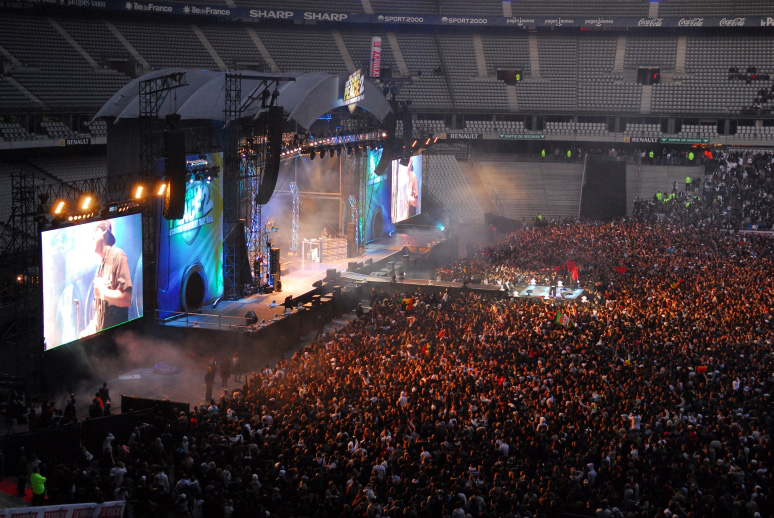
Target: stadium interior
576, 323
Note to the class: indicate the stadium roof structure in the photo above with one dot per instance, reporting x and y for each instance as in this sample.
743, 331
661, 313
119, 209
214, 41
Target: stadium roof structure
306, 98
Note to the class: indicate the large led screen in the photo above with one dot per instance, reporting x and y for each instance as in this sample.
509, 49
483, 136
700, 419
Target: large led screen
191, 249
406, 189
92, 278
377, 203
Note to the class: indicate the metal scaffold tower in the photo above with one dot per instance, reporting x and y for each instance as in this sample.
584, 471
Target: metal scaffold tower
25, 334
251, 152
231, 183
295, 218
153, 93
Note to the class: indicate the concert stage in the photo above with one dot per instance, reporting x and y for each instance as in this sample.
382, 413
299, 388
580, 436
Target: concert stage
299, 275
544, 291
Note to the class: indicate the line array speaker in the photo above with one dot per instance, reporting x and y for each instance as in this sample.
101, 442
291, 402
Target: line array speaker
275, 120
174, 170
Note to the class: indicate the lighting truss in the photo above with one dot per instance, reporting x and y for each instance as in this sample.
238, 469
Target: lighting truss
294, 221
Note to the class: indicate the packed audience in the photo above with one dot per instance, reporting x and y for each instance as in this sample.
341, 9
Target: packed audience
652, 401
736, 194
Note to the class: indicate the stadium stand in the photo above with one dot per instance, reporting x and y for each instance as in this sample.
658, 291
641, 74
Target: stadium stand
293, 54
14, 100
444, 178
166, 45
98, 128
77, 85
652, 50
587, 8
404, 7
508, 52
96, 39
525, 189
469, 91
73, 169
235, 47
713, 8
14, 131
463, 8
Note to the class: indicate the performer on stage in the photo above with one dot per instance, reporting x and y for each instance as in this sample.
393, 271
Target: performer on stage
112, 283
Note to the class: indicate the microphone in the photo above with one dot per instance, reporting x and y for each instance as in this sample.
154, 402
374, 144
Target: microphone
77, 303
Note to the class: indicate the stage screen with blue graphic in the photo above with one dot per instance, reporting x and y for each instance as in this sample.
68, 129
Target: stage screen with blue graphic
92, 278
190, 268
406, 189
377, 203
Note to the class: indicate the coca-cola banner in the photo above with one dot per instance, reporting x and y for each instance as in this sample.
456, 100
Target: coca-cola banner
301, 17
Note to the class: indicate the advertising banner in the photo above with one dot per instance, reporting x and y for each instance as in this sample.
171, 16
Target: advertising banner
684, 140
461, 135
191, 249
106, 510
258, 15
521, 136
376, 56
642, 140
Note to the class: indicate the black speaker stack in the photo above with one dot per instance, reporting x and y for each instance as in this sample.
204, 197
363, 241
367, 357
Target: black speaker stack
274, 120
175, 172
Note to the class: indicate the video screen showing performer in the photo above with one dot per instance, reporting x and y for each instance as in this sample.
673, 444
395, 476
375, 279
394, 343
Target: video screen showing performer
406, 189
92, 278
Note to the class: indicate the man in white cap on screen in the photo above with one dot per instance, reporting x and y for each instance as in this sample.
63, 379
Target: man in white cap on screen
112, 283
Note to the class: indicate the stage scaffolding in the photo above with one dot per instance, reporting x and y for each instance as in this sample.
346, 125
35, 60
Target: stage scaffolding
152, 94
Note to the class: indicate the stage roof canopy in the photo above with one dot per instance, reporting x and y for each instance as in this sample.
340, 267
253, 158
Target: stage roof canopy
309, 96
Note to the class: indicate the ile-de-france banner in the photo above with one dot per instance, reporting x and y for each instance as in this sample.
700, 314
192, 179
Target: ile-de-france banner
257, 15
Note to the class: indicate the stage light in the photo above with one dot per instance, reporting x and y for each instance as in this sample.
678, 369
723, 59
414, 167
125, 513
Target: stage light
161, 189
139, 192
414, 144
435, 140
384, 134
209, 179
58, 207
427, 142
86, 202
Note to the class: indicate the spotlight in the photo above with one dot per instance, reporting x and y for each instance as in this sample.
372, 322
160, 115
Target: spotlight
86, 202
384, 134
414, 144
161, 189
435, 140
139, 192
58, 207
427, 142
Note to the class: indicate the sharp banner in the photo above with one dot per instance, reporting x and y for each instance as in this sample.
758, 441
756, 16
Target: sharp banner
267, 15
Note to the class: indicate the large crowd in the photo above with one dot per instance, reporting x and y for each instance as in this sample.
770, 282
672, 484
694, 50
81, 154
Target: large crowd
736, 194
651, 401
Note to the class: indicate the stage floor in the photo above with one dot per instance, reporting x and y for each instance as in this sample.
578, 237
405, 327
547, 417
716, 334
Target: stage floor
302, 274
543, 291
